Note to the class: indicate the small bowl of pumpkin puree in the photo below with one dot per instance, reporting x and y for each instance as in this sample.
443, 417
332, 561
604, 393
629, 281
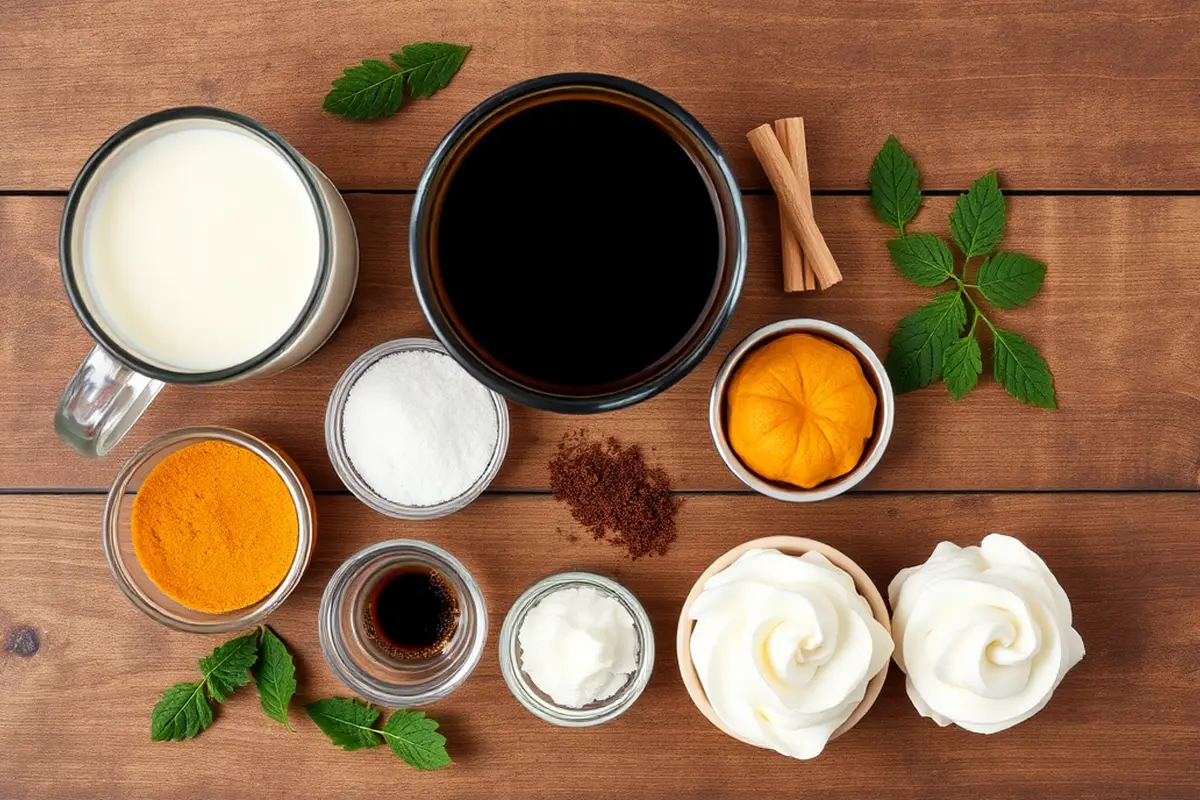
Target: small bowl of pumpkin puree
801, 410
209, 529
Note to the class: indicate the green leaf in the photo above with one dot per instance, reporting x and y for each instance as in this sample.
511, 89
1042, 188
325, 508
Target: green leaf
977, 221
375, 89
1021, 370
275, 677
895, 185
228, 667
414, 738
915, 359
1010, 279
922, 258
347, 723
370, 90
962, 364
182, 713
429, 65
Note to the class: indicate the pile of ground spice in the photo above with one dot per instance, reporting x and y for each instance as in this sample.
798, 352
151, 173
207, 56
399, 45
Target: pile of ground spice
614, 494
215, 527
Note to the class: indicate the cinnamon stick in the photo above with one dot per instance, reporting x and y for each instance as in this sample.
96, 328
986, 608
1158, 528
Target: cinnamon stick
779, 172
796, 150
794, 272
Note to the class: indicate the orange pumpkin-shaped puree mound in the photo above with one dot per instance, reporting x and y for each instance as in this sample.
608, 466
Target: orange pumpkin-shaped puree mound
800, 410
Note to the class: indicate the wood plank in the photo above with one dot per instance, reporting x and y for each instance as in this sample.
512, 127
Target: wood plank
1115, 320
1072, 94
74, 716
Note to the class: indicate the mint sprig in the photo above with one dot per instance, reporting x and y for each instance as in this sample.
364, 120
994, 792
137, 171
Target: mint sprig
922, 258
930, 343
962, 364
181, 714
895, 185
275, 677
350, 724
1017, 365
414, 737
977, 221
184, 710
228, 667
374, 88
1010, 280
918, 346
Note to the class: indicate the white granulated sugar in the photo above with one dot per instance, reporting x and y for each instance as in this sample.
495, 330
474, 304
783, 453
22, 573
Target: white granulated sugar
418, 429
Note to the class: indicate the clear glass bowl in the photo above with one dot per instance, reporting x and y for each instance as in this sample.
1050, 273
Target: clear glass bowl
537, 701
349, 475
361, 665
118, 536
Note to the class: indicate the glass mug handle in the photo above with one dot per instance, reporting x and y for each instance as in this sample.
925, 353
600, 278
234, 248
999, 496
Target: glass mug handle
101, 402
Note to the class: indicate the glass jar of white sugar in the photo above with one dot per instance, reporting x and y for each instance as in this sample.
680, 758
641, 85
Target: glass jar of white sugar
411, 434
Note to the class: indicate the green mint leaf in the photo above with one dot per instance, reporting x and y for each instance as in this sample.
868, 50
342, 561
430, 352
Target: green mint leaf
414, 738
977, 221
228, 667
922, 258
1009, 280
429, 65
895, 185
962, 364
182, 713
347, 723
1021, 370
375, 89
917, 347
275, 677
370, 90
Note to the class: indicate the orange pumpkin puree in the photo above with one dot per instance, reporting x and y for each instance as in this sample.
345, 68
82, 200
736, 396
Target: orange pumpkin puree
800, 410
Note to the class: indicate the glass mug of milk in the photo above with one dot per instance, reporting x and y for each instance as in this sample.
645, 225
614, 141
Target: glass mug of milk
197, 247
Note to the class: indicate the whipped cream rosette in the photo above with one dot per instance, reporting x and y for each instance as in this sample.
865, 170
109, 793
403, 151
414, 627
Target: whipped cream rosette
784, 647
983, 633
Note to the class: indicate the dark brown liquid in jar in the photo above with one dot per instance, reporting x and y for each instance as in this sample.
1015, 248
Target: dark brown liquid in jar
412, 613
578, 244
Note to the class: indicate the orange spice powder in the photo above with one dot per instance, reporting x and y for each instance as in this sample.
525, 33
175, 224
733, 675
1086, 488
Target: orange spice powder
215, 527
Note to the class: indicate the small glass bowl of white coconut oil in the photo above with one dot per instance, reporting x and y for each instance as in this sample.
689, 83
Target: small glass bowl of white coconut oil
610, 704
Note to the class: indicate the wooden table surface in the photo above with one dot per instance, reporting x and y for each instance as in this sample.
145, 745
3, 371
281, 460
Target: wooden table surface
1088, 108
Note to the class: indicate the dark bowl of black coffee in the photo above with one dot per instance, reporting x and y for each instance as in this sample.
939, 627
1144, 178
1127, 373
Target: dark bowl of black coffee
578, 242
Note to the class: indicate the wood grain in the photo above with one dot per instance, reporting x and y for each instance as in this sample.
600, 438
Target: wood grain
74, 716
1115, 320
1070, 94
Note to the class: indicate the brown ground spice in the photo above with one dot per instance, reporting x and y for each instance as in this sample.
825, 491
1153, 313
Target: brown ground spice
613, 494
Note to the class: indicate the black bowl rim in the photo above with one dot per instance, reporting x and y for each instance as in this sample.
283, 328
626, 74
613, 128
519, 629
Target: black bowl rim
444, 329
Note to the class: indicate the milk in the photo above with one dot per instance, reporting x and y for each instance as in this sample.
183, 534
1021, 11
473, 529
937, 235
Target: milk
201, 246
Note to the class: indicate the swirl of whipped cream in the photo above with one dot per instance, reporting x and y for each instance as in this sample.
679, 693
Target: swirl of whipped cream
785, 648
983, 633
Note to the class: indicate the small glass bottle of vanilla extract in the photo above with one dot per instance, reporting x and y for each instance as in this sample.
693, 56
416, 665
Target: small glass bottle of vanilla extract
402, 623
412, 613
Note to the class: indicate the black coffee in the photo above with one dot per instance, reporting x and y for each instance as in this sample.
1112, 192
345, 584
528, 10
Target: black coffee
578, 244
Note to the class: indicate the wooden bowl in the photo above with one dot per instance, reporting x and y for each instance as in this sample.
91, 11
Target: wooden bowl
795, 546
